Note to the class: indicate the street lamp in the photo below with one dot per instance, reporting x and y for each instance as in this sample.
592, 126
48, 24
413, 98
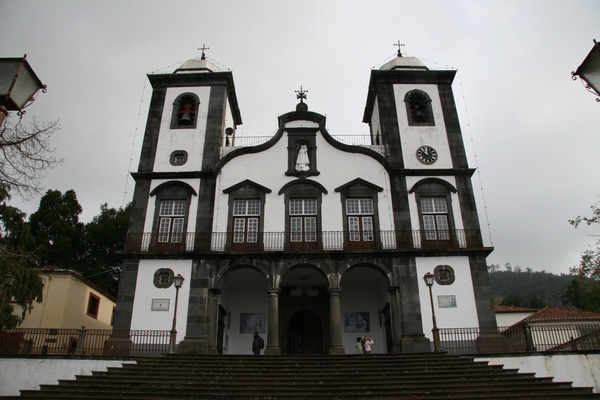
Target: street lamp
437, 345
178, 282
18, 85
7, 282
589, 71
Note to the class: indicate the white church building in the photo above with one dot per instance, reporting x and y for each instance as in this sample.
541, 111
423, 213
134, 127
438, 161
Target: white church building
310, 240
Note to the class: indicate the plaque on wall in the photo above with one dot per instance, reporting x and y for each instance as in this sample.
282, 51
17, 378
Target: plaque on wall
357, 322
161, 304
447, 301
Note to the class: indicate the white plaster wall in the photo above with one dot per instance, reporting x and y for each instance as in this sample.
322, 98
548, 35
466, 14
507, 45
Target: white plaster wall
29, 373
239, 300
143, 317
361, 299
267, 168
509, 319
465, 313
413, 137
170, 140
581, 369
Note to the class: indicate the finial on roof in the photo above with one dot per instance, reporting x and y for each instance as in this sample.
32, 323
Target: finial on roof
301, 94
203, 57
399, 48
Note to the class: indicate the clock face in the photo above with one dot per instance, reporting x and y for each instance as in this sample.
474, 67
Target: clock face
427, 154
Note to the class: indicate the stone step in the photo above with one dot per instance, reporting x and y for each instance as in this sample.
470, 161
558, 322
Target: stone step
426, 376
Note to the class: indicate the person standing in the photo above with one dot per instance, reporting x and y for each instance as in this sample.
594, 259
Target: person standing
359, 346
257, 343
367, 342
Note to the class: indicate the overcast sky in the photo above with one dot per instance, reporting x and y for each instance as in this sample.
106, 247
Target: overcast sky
531, 131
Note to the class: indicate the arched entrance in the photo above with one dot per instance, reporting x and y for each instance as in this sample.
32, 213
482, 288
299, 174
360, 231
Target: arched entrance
305, 335
304, 312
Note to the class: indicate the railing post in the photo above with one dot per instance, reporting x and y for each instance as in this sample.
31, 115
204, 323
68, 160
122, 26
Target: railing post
529, 345
80, 341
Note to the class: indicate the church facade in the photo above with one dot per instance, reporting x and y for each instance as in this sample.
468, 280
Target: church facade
308, 239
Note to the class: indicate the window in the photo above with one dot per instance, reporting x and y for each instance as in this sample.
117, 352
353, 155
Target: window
434, 211
360, 219
246, 215
185, 110
93, 306
171, 221
303, 220
418, 107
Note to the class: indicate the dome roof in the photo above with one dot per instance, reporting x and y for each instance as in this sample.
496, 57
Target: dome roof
197, 65
404, 63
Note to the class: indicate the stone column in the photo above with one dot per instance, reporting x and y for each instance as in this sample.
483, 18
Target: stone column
273, 324
213, 319
335, 322
396, 331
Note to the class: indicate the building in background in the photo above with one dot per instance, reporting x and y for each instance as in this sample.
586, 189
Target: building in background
69, 302
311, 240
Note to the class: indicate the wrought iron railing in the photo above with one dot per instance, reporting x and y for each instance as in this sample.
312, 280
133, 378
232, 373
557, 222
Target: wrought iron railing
519, 338
91, 342
523, 337
323, 241
246, 141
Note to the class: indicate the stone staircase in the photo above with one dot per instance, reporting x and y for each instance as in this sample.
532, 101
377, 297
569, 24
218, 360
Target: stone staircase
378, 376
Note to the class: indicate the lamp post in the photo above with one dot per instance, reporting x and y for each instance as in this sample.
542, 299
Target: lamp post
18, 86
589, 71
178, 282
437, 345
7, 282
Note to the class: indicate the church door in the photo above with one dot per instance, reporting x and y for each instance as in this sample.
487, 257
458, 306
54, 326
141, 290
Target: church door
305, 335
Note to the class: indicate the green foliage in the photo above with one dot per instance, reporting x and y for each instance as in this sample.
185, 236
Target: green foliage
589, 263
103, 236
583, 293
17, 257
528, 288
57, 230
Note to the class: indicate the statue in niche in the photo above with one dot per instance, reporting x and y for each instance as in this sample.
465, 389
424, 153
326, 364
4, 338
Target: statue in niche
302, 162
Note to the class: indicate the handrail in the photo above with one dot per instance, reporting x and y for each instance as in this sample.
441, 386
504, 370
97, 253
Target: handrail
322, 242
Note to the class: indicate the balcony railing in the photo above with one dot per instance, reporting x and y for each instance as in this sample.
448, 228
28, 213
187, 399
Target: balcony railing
246, 141
520, 338
91, 342
555, 336
322, 241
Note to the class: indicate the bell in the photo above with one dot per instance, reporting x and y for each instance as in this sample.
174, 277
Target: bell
186, 115
186, 119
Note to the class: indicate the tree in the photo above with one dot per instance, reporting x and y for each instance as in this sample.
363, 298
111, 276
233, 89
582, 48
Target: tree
57, 230
17, 257
26, 155
589, 263
103, 236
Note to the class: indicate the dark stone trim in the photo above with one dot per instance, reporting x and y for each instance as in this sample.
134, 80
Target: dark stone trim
137, 176
432, 180
182, 185
359, 181
317, 185
452, 124
246, 182
224, 78
126, 296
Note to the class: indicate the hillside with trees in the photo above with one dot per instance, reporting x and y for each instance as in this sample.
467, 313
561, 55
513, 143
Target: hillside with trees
513, 286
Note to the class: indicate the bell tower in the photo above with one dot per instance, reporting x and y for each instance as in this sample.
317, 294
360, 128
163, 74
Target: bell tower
411, 111
193, 114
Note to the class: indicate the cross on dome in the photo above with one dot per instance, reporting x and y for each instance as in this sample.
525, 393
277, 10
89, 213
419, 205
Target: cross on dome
203, 57
399, 48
